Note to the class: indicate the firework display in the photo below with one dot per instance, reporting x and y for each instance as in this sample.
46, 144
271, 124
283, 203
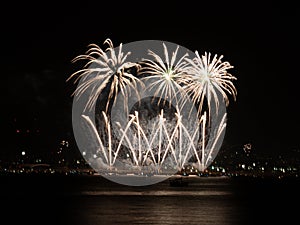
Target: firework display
155, 115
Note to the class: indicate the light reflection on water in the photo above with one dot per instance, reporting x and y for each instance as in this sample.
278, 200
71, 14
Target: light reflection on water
154, 193
207, 202
157, 210
92, 200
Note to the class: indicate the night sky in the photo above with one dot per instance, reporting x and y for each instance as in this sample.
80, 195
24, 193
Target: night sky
260, 40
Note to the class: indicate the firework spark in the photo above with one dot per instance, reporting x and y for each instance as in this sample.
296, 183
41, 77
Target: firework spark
166, 75
104, 68
206, 77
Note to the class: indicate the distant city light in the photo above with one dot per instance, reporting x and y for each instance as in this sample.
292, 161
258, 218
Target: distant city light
64, 143
247, 147
23, 153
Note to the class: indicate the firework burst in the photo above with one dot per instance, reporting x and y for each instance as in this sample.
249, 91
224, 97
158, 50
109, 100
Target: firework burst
166, 75
104, 68
206, 77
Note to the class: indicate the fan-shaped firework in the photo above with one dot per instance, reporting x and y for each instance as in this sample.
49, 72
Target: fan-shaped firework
206, 77
166, 75
103, 68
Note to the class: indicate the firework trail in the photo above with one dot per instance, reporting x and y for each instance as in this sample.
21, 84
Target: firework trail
102, 69
206, 77
166, 75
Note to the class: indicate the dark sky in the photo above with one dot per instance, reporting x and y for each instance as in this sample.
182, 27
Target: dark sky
260, 40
